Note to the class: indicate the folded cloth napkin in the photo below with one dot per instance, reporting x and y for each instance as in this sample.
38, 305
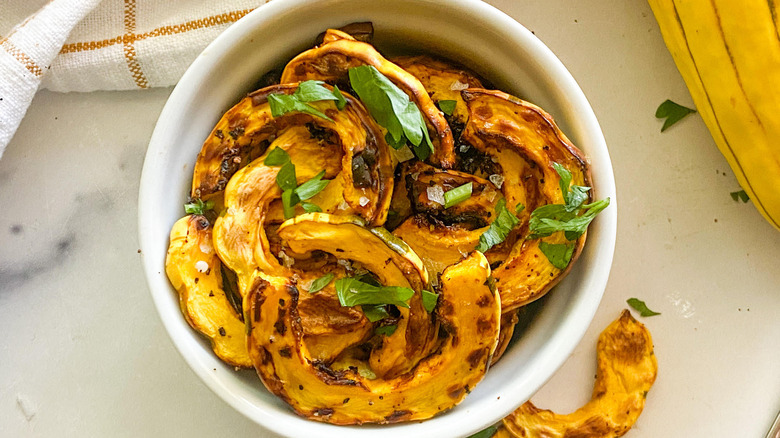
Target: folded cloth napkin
87, 45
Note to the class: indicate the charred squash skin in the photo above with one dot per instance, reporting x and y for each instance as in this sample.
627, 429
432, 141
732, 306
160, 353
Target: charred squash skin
201, 295
339, 52
525, 141
626, 371
469, 312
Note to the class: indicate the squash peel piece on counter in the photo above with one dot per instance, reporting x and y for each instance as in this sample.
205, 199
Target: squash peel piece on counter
627, 368
436, 384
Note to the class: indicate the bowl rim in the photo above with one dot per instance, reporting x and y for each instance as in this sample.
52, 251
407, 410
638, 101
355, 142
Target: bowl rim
574, 328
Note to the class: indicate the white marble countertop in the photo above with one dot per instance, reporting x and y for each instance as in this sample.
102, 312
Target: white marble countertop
84, 352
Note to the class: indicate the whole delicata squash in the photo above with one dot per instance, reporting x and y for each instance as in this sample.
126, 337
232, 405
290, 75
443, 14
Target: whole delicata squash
469, 314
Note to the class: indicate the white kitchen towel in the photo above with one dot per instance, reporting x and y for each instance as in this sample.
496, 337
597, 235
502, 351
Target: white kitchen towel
87, 45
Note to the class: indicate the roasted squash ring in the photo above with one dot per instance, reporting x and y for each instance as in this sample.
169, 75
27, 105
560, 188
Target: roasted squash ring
626, 370
194, 269
524, 141
394, 263
331, 62
469, 313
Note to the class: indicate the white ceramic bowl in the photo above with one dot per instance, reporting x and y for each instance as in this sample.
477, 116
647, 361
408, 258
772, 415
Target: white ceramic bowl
469, 31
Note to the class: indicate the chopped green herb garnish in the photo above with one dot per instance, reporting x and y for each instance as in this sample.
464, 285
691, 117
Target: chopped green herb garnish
308, 207
499, 229
551, 218
573, 196
311, 187
457, 195
307, 91
353, 292
341, 102
486, 433
447, 106
284, 103
559, 254
277, 157
429, 300
641, 307
392, 109
198, 206
289, 200
286, 178
519, 208
740, 196
673, 112
321, 282
386, 330
374, 312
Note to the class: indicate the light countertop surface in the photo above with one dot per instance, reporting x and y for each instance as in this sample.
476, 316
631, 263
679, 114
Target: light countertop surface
84, 352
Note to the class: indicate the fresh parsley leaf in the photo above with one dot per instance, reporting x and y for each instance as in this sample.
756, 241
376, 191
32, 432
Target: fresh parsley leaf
374, 312
308, 207
284, 103
341, 102
641, 307
289, 200
740, 196
353, 292
573, 196
429, 300
673, 112
559, 254
551, 218
457, 195
312, 91
391, 108
286, 178
386, 330
519, 208
277, 157
311, 187
321, 282
198, 206
447, 106
393, 143
486, 433
499, 229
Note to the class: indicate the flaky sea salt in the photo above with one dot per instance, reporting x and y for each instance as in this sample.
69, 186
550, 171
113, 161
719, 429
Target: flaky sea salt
436, 194
343, 205
458, 85
463, 148
201, 266
287, 261
403, 154
497, 179
363, 201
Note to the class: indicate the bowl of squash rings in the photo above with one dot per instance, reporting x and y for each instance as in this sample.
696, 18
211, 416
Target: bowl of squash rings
360, 219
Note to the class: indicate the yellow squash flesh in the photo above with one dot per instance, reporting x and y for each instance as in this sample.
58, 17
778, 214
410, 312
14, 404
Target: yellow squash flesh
201, 295
728, 52
469, 313
626, 371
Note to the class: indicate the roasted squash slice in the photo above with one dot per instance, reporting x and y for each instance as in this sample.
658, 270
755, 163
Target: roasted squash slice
626, 370
469, 314
193, 267
339, 52
524, 141
335, 146
444, 80
391, 261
